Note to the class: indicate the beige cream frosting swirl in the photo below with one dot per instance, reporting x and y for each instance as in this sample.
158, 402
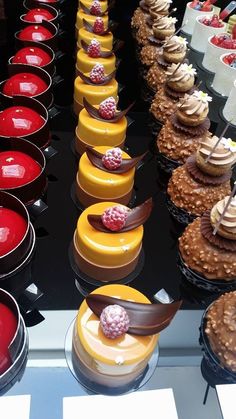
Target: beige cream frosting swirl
227, 226
164, 23
197, 103
150, 3
221, 155
175, 44
177, 73
159, 7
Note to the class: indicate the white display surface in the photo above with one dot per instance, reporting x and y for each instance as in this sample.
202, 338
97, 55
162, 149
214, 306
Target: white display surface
15, 407
136, 405
227, 395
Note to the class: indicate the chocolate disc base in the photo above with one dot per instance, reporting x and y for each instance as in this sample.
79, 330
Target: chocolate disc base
202, 177
162, 62
194, 131
80, 146
155, 41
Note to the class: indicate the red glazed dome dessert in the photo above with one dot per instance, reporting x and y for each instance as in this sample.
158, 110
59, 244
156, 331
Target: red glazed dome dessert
8, 326
38, 15
35, 33
32, 56
25, 84
18, 121
12, 230
17, 169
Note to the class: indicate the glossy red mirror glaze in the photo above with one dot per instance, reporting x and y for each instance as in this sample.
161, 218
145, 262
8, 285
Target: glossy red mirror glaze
32, 56
18, 121
8, 326
48, 1
35, 33
12, 230
24, 84
17, 169
38, 15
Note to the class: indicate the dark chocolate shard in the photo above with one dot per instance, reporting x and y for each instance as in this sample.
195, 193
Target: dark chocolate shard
87, 79
89, 28
87, 11
155, 41
127, 164
135, 218
103, 54
94, 113
145, 319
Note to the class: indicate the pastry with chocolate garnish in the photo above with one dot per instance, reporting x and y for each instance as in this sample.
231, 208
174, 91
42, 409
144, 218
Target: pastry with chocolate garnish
107, 242
95, 31
105, 174
164, 27
202, 181
178, 140
218, 338
115, 335
208, 248
100, 125
95, 86
158, 7
90, 14
180, 80
91, 54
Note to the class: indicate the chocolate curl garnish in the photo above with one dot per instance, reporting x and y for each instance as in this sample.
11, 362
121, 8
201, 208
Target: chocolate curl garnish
225, 209
87, 11
94, 113
135, 218
103, 54
87, 79
145, 319
89, 28
217, 142
127, 164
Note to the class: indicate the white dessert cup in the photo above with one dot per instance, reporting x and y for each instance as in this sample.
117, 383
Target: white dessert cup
202, 32
190, 16
224, 77
212, 55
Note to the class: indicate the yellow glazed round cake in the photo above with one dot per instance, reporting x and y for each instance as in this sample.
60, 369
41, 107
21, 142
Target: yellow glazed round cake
95, 185
94, 93
88, 4
106, 40
105, 256
85, 63
93, 132
89, 18
110, 362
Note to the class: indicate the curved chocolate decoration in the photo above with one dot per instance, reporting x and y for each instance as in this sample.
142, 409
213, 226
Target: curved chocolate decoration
155, 41
145, 319
136, 217
89, 28
194, 131
163, 63
127, 164
93, 112
176, 95
204, 178
216, 240
103, 54
87, 11
87, 79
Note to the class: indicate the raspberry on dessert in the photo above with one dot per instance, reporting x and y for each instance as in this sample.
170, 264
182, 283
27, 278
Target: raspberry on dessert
114, 321
94, 49
97, 74
107, 108
112, 159
114, 218
98, 26
95, 8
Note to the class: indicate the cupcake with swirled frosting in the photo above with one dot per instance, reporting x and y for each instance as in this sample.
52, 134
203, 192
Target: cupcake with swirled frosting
160, 7
193, 109
180, 78
175, 49
141, 13
198, 185
164, 27
227, 227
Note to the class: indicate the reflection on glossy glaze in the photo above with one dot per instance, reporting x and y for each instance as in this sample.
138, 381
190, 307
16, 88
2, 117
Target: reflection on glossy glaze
25, 84
35, 33
32, 56
16, 169
38, 15
18, 121
12, 230
8, 326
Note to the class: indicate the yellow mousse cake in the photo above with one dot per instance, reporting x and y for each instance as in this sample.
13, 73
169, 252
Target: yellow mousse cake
85, 62
102, 253
88, 4
94, 132
109, 362
105, 40
92, 88
81, 16
96, 184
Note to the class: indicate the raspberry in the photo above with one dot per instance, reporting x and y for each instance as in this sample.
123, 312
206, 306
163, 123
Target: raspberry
94, 49
95, 8
112, 159
97, 74
107, 108
114, 218
98, 26
114, 321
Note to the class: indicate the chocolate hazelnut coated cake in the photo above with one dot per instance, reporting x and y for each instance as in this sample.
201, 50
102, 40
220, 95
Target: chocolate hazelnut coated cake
105, 174
158, 8
108, 240
95, 87
95, 31
115, 334
92, 54
203, 180
208, 245
182, 133
173, 51
220, 330
180, 79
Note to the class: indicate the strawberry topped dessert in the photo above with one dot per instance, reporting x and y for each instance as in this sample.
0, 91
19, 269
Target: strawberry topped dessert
224, 41
230, 60
203, 6
213, 21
